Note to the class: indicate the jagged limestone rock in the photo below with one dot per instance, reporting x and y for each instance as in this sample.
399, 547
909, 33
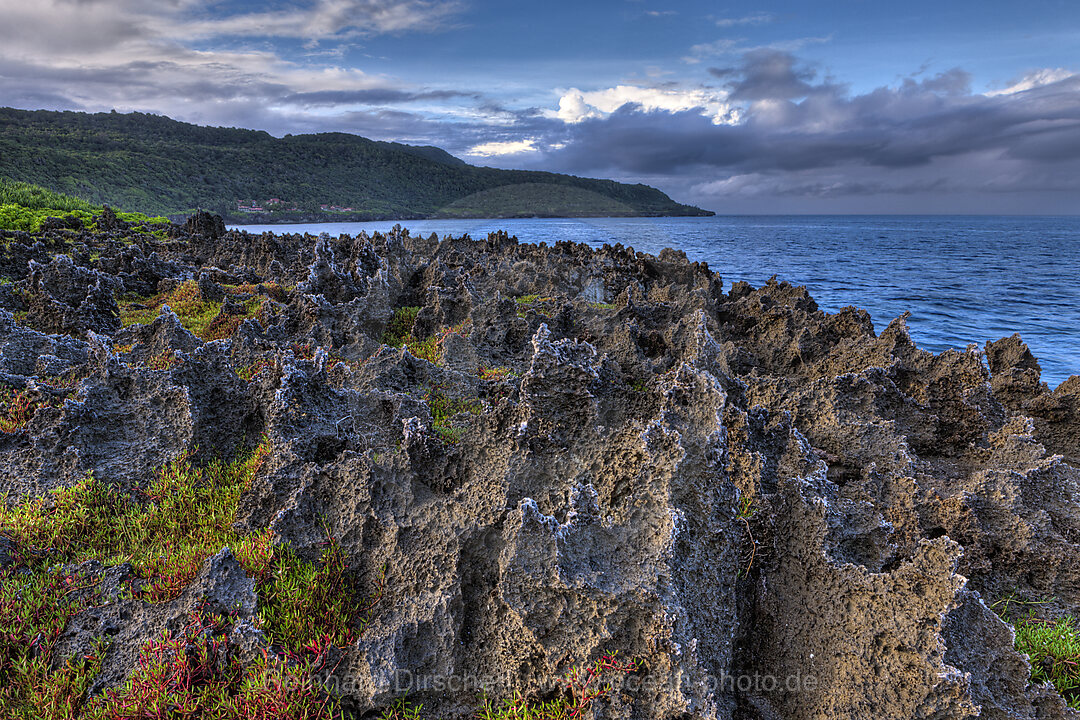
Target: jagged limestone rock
781, 512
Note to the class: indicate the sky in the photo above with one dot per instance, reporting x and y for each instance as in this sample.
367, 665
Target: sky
792, 106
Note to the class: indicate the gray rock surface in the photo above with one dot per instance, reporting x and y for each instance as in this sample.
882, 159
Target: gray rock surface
781, 512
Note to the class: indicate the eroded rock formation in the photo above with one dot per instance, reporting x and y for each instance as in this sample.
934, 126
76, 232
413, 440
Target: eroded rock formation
781, 513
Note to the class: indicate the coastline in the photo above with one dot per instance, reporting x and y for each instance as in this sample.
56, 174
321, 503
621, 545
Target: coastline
513, 428
308, 218
888, 265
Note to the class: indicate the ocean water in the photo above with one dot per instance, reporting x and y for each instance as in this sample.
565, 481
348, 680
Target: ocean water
965, 279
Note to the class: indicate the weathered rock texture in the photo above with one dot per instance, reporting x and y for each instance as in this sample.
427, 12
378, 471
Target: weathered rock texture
782, 513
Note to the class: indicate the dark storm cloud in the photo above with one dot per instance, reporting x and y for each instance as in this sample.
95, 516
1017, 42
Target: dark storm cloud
797, 135
950, 82
767, 73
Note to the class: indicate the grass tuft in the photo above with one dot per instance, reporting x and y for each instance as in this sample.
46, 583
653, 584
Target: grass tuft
401, 709
307, 607
250, 372
16, 411
193, 675
444, 410
580, 688
34, 609
429, 349
537, 303
202, 318
399, 329
399, 333
1053, 647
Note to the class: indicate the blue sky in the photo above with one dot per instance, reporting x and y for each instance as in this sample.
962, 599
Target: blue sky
845, 106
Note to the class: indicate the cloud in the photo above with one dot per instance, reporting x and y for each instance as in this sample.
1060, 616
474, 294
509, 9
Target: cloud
723, 46
799, 136
368, 96
767, 74
755, 19
330, 18
733, 47
498, 148
576, 106
761, 130
1032, 80
157, 56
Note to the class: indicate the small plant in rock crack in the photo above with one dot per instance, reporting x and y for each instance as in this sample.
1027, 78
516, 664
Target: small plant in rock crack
272, 290
166, 531
166, 360
250, 372
69, 378
34, 609
580, 688
203, 318
400, 326
17, 410
1053, 647
225, 324
746, 508
307, 351
401, 709
746, 511
538, 303
427, 349
399, 333
498, 382
444, 409
496, 374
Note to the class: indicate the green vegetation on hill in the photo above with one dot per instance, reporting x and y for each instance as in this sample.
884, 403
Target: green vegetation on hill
539, 200
161, 166
25, 207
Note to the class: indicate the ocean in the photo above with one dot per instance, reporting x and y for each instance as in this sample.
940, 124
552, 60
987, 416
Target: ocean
965, 279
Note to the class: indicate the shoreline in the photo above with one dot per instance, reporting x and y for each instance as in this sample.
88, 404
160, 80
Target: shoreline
268, 219
444, 440
872, 262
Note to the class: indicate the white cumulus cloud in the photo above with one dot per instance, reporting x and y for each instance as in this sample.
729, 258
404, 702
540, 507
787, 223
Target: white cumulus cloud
1038, 78
576, 106
504, 147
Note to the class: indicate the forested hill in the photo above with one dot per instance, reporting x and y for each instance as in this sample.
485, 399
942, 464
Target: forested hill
159, 166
